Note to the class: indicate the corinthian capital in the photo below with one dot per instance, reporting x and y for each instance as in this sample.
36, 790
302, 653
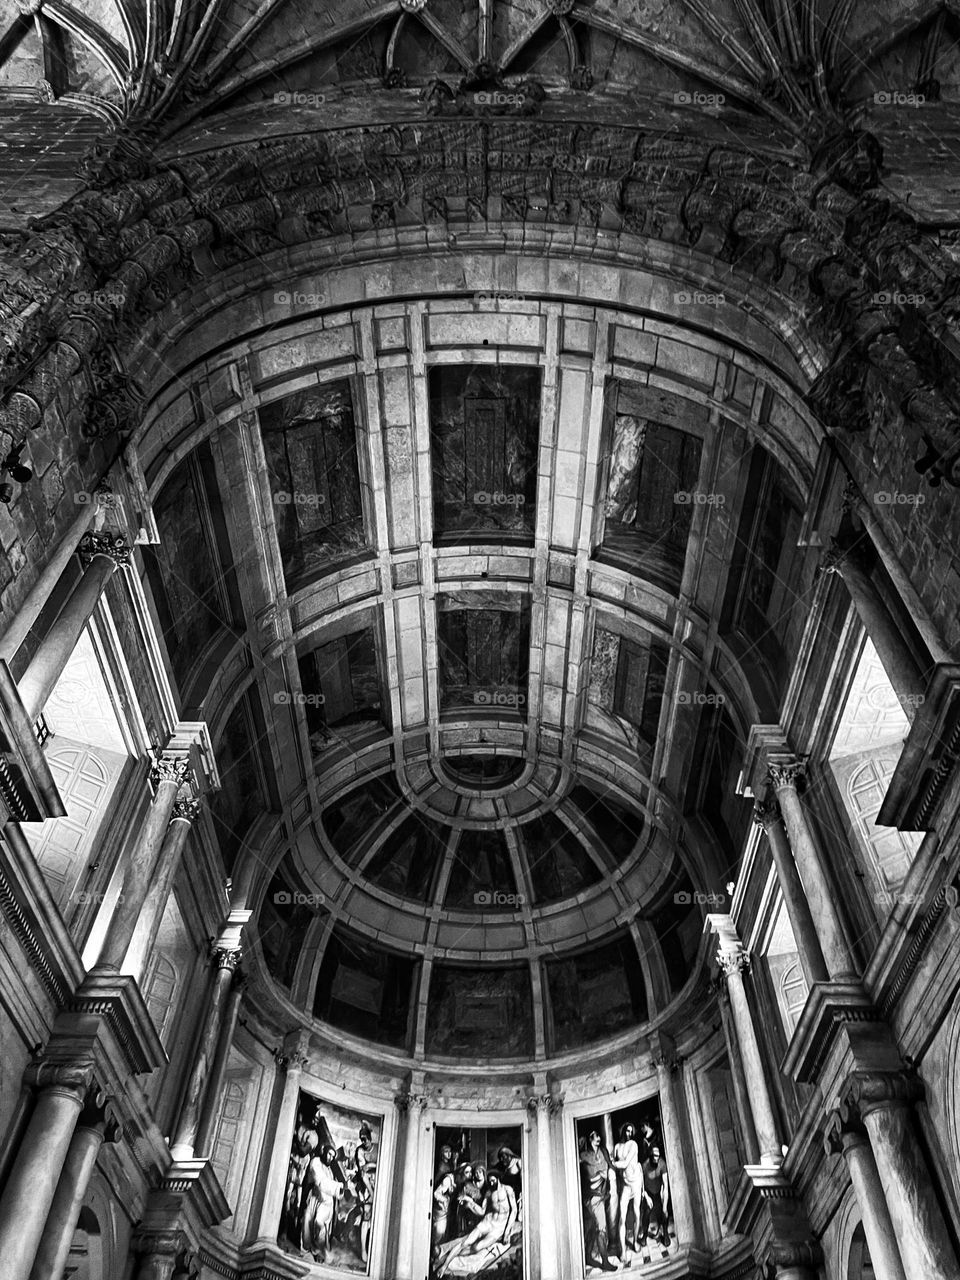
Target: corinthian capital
833, 559
227, 958
733, 961
786, 773
75, 1077
170, 768
113, 545
99, 1113
187, 807
766, 812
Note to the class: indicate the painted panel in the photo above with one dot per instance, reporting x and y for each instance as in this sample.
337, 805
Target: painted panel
331, 1197
478, 1204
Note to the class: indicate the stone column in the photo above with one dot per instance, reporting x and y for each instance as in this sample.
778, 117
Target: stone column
820, 894
884, 1103
411, 1106
100, 554
898, 662
675, 1148
186, 809
844, 1133
184, 1141
265, 1225
168, 776
767, 815
97, 1124
33, 1179
544, 1108
210, 1111
734, 963
747, 1131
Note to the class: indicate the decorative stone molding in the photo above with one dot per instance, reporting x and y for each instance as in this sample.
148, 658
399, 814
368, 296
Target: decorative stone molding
73, 1077
114, 545
227, 957
100, 1113
843, 1129
795, 1253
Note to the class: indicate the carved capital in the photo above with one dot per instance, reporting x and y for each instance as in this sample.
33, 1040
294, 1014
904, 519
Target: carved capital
667, 1060
869, 1091
100, 1114
227, 957
786, 773
405, 1102
733, 961
766, 812
843, 1130
795, 1253
72, 1077
170, 768
113, 545
187, 807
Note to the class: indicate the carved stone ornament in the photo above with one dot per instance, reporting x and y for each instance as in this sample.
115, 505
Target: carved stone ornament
869, 1091
786, 773
227, 958
73, 1077
113, 545
169, 768
795, 1253
732, 962
405, 1102
766, 812
187, 808
843, 1130
413, 6
561, 7
100, 1114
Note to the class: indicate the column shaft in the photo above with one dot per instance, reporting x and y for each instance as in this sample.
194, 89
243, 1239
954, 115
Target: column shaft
58, 644
761, 1105
795, 900
747, 1130
819, 893
67, 1203
148, 926
32, 1184
406, 1243
925, 1246
185, 1139
210, 1111
674, 1153
549, 1261
898, 662
140, 866
877, 1224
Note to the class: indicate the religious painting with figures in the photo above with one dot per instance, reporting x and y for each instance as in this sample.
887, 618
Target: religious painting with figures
624, 1173
330, 1196
477, 1210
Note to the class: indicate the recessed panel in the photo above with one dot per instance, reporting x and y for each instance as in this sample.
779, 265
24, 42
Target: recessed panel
480, 1012
594, 995
365, 990
310, 443
484, 642
484, 427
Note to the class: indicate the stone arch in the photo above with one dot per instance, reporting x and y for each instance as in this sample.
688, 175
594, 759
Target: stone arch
848, 1223
859, 1265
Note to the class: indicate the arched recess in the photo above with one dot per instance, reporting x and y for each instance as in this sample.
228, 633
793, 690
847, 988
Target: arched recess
85, 1260
848, 1225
